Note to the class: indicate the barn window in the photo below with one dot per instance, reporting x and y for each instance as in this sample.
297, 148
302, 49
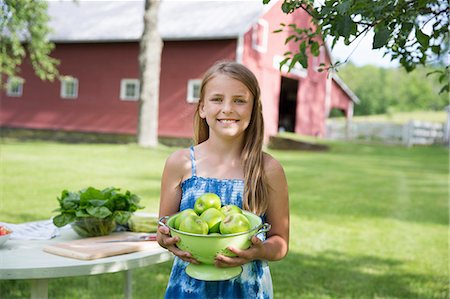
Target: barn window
129, 89
193, 90
260, 35
69, 87
14, 87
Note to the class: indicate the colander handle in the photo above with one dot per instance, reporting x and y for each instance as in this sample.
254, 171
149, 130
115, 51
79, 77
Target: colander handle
162, 221
264, 228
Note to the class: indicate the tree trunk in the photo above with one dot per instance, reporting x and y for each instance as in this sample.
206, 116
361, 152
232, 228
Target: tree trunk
150, 63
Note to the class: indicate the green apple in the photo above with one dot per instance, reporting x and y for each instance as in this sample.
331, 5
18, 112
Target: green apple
194, 224
228, 209
206, 201
213, 217
234, 223
183, 214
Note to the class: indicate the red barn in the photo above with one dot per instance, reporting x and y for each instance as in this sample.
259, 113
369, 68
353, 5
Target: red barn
98, 45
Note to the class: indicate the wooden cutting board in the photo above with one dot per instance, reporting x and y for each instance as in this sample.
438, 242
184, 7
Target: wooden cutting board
94, 248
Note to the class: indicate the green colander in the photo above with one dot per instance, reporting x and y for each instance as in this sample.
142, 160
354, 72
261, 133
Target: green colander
205, 247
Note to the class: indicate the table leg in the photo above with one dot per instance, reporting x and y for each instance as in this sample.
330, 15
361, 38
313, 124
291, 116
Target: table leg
39, 289
128, 290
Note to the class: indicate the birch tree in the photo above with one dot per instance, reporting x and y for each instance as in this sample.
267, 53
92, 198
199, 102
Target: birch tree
150, 64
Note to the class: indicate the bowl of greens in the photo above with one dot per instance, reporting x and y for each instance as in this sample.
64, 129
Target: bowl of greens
92, 212
93, 226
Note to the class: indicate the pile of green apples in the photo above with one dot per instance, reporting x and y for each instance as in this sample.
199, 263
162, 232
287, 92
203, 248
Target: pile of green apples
210, 217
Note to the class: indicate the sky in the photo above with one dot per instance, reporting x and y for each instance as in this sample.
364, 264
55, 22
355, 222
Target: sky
363, 54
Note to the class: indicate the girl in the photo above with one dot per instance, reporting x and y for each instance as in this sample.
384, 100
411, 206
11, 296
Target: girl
228, 160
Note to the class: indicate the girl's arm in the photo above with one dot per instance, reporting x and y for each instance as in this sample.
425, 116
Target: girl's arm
169, 204
275, 247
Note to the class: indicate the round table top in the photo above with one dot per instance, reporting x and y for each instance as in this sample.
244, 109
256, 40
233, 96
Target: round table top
25, 259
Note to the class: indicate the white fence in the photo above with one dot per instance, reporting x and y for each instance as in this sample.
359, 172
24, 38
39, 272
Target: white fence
409, 134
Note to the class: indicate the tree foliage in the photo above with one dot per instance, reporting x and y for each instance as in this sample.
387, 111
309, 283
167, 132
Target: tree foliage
413, 32
24, 30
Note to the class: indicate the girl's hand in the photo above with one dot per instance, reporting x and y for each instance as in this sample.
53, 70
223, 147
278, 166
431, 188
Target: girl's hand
243, 256
164, 239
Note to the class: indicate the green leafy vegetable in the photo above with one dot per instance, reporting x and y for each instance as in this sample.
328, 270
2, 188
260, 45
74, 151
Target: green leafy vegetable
108, 203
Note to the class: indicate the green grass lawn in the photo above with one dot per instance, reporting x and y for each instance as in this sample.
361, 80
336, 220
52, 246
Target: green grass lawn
367, 221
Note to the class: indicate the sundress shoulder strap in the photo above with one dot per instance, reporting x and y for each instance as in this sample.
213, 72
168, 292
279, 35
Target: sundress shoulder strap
192, 160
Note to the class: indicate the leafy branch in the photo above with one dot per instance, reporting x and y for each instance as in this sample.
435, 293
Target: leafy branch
24, 30
401, 28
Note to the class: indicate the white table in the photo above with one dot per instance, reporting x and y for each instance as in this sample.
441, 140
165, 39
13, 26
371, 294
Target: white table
25, 259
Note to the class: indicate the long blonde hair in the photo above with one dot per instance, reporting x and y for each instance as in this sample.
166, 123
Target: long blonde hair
256, 190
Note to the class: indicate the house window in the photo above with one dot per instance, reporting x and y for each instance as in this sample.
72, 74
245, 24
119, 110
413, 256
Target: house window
129, 89
14, 87
260, 35
193, 90
69, 87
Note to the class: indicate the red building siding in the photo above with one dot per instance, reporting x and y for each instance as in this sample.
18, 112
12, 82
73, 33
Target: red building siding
98, 108
339, 98
310, 109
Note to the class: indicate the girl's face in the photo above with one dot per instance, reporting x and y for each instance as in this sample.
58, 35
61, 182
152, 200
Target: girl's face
227, 106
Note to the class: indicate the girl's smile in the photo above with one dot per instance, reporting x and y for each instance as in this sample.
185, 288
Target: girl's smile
228, 121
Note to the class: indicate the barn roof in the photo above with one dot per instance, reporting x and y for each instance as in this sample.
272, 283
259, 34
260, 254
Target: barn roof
82, 20
345, 88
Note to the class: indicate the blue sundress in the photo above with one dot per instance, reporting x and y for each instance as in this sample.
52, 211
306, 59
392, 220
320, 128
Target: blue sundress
254, 281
